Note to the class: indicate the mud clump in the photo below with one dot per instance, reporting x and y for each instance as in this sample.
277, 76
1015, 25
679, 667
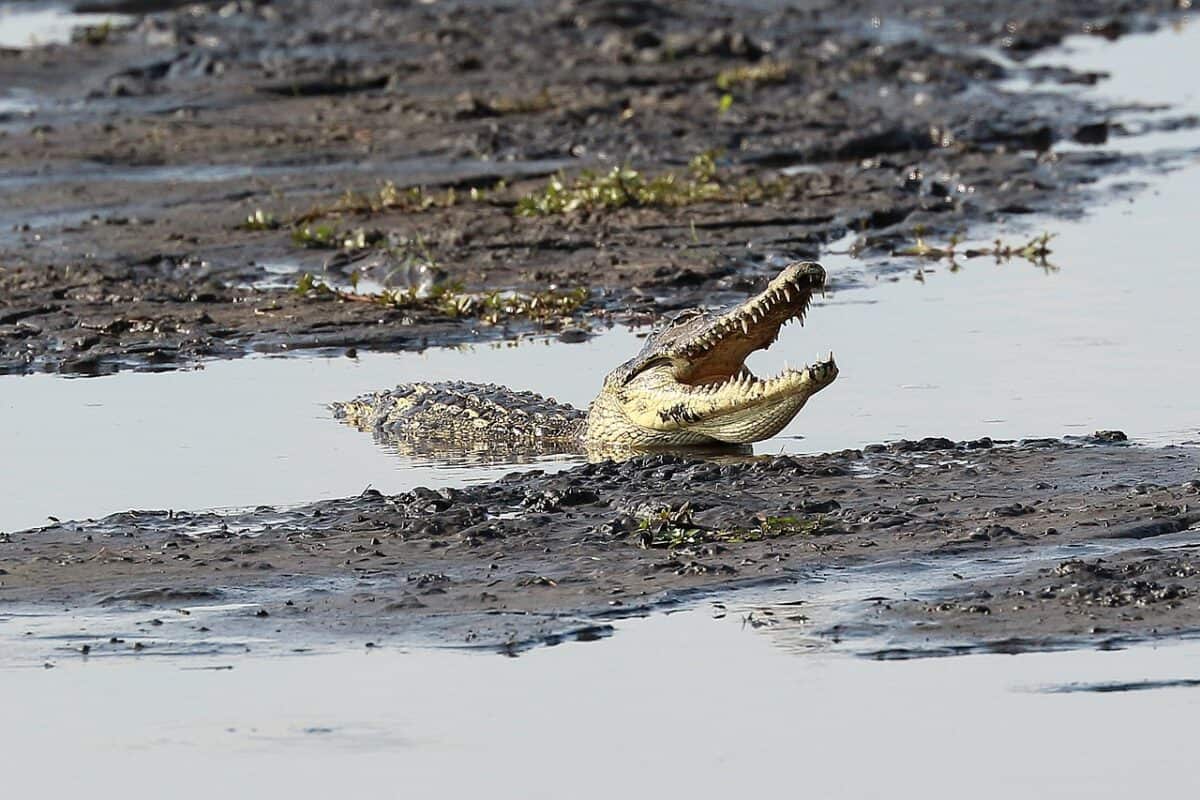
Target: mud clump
1112, 600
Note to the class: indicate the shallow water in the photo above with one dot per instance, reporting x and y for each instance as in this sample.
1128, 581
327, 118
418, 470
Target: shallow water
35, 24
1151, 73
712, 708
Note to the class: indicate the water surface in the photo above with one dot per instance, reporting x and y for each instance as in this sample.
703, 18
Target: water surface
710, 708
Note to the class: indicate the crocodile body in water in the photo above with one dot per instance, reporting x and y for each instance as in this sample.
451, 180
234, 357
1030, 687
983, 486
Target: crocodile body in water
688, 387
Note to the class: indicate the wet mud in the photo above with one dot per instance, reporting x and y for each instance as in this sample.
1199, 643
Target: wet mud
534, 558
178, 175
1100, 601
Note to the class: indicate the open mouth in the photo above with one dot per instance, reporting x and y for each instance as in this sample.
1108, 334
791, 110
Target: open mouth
713, 361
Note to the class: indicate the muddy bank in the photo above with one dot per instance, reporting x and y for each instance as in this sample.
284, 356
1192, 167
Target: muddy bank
164, 314
532, 558
199, 161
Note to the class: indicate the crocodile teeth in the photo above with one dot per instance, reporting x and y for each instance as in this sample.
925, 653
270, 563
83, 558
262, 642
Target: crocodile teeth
745, 326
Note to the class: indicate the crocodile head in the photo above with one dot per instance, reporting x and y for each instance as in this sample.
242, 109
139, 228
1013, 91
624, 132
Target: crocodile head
689, 384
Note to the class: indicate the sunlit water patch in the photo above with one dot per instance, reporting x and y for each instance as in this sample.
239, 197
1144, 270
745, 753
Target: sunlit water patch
35, 24
15, 103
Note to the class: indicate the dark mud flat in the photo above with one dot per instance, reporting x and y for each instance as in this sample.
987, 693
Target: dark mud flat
202, 150
533, 558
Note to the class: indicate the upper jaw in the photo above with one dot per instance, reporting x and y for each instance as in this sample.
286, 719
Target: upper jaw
717, 352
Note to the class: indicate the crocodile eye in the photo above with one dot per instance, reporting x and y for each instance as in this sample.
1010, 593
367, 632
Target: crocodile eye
684, 316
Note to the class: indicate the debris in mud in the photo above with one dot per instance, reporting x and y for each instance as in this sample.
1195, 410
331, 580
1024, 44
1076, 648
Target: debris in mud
547, 308
1036, 250
89, 320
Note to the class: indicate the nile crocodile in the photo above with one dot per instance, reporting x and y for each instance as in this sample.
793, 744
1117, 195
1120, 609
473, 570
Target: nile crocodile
688, 386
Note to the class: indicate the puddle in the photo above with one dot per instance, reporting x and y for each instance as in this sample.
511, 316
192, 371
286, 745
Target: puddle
34, 24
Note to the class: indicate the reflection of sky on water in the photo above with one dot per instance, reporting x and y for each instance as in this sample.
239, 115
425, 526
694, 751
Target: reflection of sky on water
709, 708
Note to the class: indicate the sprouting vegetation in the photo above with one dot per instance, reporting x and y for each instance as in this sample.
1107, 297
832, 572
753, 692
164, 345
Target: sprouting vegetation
675, 528
623, 187
453, 301
327, 237
751, 75
316, 237
93, 35
390, 197
1035, 251
590, 190
259, 220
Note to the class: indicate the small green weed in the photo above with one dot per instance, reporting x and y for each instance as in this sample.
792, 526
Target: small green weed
623, 187
751, 75
259, 221
674, 528
451, 300
390, 197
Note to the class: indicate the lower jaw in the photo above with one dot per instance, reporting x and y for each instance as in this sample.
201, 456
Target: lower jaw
751, 424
